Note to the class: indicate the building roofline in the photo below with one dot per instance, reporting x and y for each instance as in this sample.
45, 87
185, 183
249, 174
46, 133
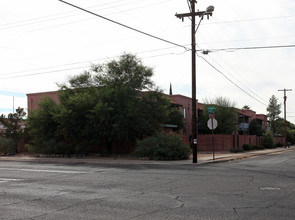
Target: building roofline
39, 93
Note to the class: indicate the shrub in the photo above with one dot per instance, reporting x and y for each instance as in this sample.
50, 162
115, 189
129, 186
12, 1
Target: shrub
7, 145
268, 141
52, 147
291, 136
162, 147
236, 150
279, 144
246, 147
257, 147
32, 149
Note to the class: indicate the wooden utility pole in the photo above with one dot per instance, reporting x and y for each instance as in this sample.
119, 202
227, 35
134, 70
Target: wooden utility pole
285, 99
193, 15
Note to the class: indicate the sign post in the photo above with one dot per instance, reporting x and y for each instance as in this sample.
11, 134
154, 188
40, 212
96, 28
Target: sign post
212, 124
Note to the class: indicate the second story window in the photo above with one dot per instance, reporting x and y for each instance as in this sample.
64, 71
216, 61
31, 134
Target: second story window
184, 112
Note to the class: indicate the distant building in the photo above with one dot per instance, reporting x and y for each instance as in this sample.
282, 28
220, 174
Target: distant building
246, 116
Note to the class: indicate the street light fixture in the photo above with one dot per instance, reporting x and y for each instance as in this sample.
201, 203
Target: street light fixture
193, 14
210, 9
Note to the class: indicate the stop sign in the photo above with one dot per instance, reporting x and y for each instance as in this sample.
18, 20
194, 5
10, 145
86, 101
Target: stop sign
212, 123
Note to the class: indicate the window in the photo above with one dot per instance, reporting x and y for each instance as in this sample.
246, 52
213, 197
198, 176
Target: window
184, 112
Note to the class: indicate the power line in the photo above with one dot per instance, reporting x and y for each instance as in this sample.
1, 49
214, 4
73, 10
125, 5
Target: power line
82, 20
250, 90
178, 45
251, 39
19, 24
67, 69
231, 80
245, 20
161, 39
233, 49
252, 19
41, 73
35, 20
86, 61
123, 25
243, 84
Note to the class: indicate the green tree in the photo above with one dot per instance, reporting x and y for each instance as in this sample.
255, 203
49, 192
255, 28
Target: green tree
225, 114
280, 127
114, 101
268, 140
290, 129
41, 122
13, 126
255, 128
128, 71
175, 117
274, 110
291, 136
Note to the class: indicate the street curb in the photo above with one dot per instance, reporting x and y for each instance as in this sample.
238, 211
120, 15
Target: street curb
228, 158
248, 155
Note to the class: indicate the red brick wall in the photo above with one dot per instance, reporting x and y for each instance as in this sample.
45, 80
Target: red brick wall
34, 98
223, 142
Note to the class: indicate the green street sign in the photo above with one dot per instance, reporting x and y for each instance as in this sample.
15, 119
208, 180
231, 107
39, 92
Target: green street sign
211, 110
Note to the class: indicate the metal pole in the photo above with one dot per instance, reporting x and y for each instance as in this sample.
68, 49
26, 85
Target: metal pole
285, 129
213, 138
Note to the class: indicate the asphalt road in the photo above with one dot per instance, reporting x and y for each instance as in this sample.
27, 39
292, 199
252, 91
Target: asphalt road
258, 188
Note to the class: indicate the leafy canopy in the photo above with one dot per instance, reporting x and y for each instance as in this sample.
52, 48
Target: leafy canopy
114, 101
12, 123
274, 110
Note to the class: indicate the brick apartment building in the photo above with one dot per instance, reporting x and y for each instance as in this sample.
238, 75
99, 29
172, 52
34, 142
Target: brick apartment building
183, 103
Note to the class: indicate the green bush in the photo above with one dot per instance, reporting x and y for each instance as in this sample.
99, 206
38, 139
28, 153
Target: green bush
7, 145
291, 136
268, 141
279, 144
32, 149
236, 150
52, 147
246, 147
257, 147
162, 147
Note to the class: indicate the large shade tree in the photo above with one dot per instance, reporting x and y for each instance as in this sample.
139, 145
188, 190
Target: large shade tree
114, 101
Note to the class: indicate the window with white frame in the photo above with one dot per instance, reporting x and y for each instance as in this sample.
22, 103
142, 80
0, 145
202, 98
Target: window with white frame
184, 112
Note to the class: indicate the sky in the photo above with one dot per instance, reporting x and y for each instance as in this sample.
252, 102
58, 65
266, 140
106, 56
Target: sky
43, 43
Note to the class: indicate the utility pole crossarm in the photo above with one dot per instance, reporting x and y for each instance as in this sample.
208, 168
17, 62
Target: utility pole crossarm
198, 13
285, 90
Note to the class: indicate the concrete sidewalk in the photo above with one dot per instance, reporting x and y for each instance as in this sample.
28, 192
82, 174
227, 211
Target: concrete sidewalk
203, 158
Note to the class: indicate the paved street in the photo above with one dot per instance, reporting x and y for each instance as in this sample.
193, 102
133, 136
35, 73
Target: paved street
260, 187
